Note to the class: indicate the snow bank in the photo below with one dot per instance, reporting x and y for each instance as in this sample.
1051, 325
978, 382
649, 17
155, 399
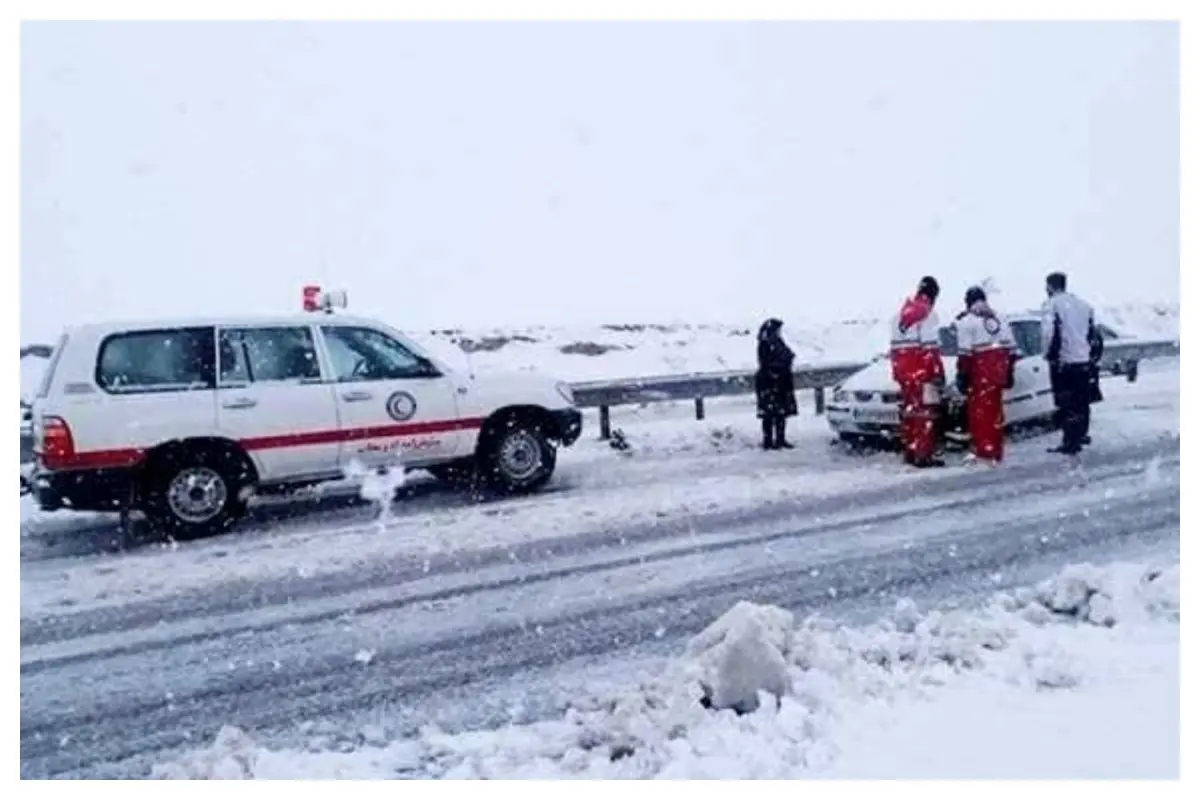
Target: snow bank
1020, 687
635, 350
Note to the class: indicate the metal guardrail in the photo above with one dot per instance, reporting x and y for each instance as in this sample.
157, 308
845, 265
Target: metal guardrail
1120, 358
696, 387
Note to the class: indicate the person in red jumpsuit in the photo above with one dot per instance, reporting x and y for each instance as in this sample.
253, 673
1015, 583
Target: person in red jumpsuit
917, 366
987, 355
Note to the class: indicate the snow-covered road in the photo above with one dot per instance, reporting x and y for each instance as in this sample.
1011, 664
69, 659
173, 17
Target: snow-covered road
466, 614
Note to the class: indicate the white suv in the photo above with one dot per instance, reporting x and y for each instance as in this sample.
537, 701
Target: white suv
185, 420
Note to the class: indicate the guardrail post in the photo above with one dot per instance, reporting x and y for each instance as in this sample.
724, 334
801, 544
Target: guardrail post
699, 408
819, 400
605, 423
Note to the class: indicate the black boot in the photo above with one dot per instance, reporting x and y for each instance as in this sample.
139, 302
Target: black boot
768, 428
781, 441
928, 463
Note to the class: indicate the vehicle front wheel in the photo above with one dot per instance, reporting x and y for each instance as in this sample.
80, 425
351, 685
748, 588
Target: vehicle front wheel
460, 474
519, 458
192, 493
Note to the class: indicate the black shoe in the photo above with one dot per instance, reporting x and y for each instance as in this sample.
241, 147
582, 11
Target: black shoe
928, 463
784, 445
1064, 450
768, 445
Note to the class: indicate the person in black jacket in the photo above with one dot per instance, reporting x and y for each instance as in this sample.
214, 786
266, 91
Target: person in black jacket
774, 385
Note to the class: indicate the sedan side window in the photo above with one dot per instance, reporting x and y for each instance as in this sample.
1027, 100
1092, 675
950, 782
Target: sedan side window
257, 355
1028, 334
365, 354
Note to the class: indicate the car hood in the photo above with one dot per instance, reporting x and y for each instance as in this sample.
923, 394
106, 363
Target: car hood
877, 376
492, 389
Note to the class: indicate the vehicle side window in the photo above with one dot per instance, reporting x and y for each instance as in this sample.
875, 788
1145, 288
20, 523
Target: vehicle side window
259, 355
1028, 334
176, 360
365, 354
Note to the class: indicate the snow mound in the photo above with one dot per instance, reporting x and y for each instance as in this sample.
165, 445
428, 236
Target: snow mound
742, 654
232, 756
704, 716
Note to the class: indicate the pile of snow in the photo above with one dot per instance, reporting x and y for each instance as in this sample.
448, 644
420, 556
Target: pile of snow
755, 696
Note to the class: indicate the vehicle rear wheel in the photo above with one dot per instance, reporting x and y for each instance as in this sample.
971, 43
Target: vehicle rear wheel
192, 493
518, 457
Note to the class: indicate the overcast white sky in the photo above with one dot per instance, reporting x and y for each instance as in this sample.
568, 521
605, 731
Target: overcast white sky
489, 173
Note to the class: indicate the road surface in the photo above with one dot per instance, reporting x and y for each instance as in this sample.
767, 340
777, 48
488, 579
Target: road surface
108, 690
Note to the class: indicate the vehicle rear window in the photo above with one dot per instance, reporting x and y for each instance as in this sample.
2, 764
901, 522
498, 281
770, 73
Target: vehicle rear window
175, 360
48, 375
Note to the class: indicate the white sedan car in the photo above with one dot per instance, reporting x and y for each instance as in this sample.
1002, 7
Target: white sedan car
867, 404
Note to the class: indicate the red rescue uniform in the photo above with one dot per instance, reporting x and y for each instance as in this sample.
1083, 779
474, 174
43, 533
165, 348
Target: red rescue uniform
917, 367
986, 357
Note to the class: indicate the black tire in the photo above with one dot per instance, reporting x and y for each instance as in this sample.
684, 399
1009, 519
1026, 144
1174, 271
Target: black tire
518, 457
867, 442
216, 479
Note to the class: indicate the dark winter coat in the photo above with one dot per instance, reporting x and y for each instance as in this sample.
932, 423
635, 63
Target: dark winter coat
1096, 348
774, 383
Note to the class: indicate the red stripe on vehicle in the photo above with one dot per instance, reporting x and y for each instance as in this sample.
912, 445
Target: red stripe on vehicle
114, 459
358, 434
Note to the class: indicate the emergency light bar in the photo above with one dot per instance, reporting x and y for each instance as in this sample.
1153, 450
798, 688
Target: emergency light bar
316, 300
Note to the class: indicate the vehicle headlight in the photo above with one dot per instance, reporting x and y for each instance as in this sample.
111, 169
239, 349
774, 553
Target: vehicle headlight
566, 393
840, 396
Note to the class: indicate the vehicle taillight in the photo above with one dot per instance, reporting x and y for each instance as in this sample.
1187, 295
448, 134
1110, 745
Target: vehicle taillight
58, 446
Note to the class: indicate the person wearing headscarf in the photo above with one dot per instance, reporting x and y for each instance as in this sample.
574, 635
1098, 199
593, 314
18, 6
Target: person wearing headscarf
774, 385
917, 367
